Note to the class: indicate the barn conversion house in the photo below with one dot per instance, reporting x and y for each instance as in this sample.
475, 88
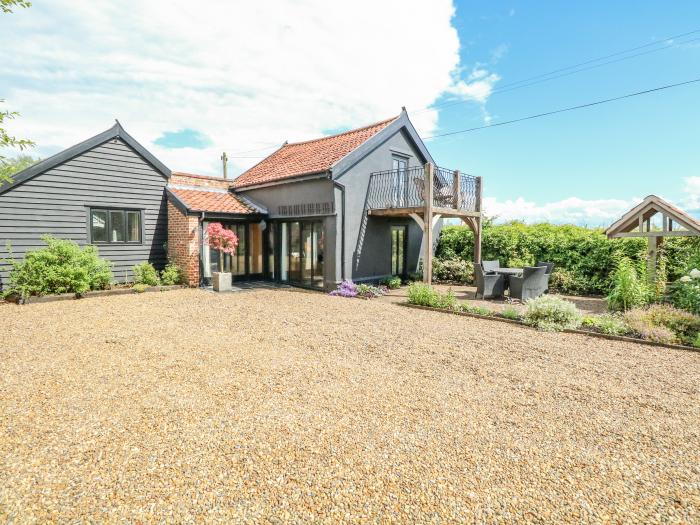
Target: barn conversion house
362, 205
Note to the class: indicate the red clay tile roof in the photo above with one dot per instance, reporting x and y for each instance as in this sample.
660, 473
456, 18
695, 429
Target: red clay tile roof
310, 157
211, 201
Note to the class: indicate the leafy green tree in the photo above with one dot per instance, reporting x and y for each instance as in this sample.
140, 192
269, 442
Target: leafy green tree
7, 140
11, 166
7, 5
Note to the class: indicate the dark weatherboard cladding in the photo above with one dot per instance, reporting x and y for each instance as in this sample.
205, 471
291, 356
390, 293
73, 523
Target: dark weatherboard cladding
110, 171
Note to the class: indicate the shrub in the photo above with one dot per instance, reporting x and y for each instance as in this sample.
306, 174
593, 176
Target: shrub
551, 313
586, 254
479, 310
61, 267
171, 274
629, 289
696, 342
367, 291
511, 313
564, 281
425, 295
685, 292
392, 283
665, 324
345, 289
140, 287
610, 324
145, 273
453, 270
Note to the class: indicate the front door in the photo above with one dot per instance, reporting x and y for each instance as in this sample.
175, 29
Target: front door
399, 239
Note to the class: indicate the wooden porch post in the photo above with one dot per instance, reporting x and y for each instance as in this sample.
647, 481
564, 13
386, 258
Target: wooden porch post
653, 256
477, 223
428, 225
477, 240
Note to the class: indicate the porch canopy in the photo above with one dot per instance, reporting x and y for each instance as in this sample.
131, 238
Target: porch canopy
639, 222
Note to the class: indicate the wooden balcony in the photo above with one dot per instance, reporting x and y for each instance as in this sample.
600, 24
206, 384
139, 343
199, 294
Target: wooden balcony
426, 194
404, 192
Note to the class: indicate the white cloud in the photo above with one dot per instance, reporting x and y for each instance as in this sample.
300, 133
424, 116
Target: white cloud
594, 212
477, 87
499, 52
691, 194
246, 74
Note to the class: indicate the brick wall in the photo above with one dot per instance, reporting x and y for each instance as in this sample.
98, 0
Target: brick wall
188, 179
183, 243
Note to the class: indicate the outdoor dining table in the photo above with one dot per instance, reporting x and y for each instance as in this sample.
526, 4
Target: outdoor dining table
510, 271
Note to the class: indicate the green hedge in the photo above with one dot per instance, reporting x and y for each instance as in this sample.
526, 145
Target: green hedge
583, 257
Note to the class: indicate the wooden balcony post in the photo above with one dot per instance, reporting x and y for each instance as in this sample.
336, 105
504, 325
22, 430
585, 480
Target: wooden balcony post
477, 221
477, 240
458, 190
428, 225
477, 191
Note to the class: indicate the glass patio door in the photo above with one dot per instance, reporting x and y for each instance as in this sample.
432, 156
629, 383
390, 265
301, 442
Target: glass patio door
399, 167
399, 239
302, 245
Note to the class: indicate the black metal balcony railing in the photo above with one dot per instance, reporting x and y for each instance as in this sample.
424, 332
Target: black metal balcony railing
406, 189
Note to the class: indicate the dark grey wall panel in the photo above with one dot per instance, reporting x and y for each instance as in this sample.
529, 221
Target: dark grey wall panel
57, 202
368, 239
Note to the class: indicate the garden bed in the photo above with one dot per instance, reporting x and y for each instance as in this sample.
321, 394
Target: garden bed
94, 293
592, 333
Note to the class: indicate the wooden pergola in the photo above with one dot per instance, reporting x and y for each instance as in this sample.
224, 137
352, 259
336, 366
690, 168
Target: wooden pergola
638, 223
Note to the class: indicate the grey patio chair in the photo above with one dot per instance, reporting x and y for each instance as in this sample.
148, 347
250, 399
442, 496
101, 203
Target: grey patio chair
489, 286
491, 266
548, 265
533, 283
548, 273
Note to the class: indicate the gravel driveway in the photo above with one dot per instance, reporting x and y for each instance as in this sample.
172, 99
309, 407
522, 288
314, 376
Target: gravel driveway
281, 406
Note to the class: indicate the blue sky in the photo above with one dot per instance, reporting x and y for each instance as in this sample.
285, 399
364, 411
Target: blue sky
620, 150
244, 77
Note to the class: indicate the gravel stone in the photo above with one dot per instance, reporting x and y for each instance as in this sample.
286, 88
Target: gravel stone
281, 406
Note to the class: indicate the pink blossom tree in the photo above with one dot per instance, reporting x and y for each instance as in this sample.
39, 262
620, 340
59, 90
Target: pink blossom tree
221, 239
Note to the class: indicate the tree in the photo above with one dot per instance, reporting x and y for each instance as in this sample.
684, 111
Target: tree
221, 239
11, 166
7, 5
7, 140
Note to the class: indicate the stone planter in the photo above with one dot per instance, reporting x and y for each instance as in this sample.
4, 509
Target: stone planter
221, 281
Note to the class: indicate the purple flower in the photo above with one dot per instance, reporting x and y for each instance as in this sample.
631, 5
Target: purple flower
345, 289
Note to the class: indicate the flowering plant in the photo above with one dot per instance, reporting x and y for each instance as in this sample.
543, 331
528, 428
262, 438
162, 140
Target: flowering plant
685, 292
365, 291
346, 289
221, 239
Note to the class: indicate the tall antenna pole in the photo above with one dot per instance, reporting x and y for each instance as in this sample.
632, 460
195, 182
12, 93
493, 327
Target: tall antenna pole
224, 160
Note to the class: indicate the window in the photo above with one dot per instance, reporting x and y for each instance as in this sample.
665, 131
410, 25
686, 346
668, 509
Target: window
399, 238
98, 223
115, 226
399, 167
399, 164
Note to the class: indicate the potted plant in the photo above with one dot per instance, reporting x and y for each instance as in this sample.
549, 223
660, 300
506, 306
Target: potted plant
225, 241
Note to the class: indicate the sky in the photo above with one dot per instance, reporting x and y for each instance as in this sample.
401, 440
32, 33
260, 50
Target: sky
190, 80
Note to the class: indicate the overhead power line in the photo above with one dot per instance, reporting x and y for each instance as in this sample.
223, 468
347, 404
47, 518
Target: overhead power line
563, 110
566, 71
612, 55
